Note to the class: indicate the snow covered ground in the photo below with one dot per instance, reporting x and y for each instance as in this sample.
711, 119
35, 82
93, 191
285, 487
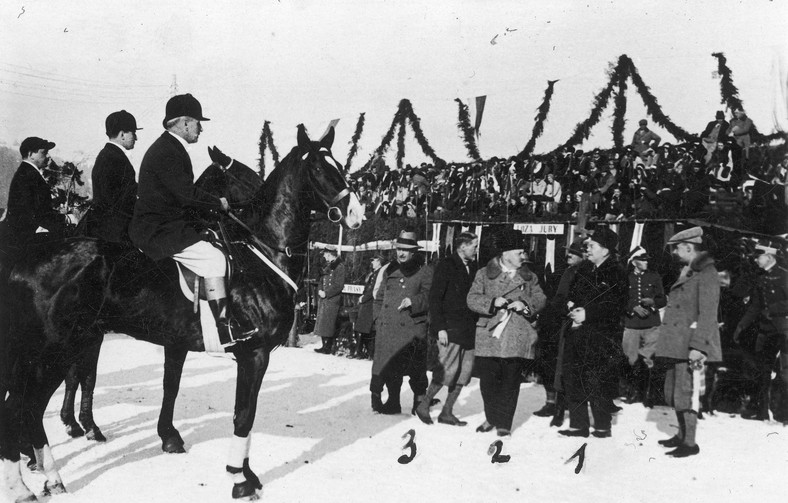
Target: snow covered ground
316, 439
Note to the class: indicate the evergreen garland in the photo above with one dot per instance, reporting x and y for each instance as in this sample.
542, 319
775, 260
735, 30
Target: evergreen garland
262, 144
620, 109
415, 123
468, 136
728, 91
539, 120
354, 141
652, 106
384, 144
267, 142
583, 129
401, 143
271, 145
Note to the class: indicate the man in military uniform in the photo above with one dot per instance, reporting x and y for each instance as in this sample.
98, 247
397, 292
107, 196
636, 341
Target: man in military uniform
689, 336
769, 306
332, 281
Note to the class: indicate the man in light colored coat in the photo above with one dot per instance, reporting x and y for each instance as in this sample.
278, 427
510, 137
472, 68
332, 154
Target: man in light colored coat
506, 295
689, 336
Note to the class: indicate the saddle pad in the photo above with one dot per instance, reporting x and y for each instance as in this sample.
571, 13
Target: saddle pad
210, 334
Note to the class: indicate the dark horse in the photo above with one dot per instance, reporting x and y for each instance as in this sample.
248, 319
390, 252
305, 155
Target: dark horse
62, 297
225, 177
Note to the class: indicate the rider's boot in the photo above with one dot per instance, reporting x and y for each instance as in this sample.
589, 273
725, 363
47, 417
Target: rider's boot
230, 330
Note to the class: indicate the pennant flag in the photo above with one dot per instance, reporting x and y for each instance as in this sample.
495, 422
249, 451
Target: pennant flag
450, 238
331, 124
436, 237
571, 237
669, 231
637, 235
549, 261
480, 100
478, 232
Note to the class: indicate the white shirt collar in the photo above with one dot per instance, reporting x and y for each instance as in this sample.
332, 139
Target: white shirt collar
40, 172
120, 147
183, 142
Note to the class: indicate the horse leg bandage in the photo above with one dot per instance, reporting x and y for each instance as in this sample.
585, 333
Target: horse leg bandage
239, 450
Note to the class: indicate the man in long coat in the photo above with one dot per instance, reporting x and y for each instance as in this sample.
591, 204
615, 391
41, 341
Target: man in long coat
401, 344
332, 281
367, 314
114, 181
592, 345
644, 138
453, 323
689, 336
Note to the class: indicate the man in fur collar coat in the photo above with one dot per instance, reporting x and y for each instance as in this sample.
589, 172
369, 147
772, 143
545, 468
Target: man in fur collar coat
689, 336
401, 340
506, 295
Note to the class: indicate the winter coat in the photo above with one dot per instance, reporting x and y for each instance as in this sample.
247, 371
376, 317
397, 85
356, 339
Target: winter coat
641, 286
643, 139
114, 195
518, 339
30, 205
397, 329
162, 224
602, 292
365, 321
332, 281
448, 307
690, 319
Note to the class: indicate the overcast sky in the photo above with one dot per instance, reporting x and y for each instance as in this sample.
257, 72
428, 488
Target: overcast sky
65, 65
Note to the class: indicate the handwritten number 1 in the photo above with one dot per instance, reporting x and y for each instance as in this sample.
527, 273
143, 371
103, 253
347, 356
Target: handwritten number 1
407, 458
581, 457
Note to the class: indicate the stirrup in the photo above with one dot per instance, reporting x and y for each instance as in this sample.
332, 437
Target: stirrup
231, 333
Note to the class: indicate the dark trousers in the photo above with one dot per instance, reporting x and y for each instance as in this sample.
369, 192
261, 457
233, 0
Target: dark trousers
411, 362
772, 341
587, 377
499, 380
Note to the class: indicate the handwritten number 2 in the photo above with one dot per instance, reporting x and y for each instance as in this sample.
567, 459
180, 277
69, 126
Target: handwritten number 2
407, 458
495, 451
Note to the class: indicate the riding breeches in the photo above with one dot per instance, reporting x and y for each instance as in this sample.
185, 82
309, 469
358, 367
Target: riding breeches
203, 259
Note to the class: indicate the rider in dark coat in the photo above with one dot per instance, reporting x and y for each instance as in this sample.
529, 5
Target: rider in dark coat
114, 181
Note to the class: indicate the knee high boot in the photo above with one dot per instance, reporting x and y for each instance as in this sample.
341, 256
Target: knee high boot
422, 410
447, 414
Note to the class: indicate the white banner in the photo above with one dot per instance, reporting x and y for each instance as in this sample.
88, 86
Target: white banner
548, 229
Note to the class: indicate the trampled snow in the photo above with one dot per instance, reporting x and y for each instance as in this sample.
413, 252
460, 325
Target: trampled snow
316, 439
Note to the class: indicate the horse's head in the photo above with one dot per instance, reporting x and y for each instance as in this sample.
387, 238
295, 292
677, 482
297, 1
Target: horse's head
328, 179
228, 177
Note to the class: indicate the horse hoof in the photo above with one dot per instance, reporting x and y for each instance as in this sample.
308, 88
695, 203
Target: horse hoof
251, 476
56, 488
74, 430
94, 433
173, 445
245, 491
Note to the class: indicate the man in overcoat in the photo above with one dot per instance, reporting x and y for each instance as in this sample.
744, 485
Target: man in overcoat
114, 181
454, 324
367, 314
689, 336
592, 345
506, 295
329, 294
162, 225
401, 344
644, 139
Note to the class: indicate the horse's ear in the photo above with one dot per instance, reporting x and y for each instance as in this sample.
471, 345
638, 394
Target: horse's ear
328, 139
212, 153
303, 138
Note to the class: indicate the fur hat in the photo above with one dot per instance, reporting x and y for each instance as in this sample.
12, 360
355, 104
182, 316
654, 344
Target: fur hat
605, 237
509, 239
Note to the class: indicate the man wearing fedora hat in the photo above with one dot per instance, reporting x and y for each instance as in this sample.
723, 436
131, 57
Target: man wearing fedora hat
641, 326
592, 345
769, 307
162, 225
114, 181
506, 295
689, 336
401, 340
30, 208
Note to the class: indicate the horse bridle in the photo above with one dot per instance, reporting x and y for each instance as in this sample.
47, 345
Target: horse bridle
332, 205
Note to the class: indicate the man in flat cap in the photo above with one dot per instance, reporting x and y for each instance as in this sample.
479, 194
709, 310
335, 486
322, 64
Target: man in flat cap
114, 181
769, 307
162, 225
644, 139
689, 336
30, 206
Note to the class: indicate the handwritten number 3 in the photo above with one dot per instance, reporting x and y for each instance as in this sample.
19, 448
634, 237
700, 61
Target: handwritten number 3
407, 458
495, 451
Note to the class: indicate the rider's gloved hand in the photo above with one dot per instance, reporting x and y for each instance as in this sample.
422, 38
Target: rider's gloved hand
225, 204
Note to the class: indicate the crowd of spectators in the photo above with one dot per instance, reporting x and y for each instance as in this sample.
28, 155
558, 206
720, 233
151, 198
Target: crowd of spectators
722, 171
